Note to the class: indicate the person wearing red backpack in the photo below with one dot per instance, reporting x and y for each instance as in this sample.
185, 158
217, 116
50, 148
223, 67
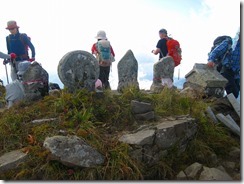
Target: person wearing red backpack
161, 47
18, 43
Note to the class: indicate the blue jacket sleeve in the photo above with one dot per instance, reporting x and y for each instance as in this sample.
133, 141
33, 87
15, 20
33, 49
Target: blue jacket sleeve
30, 45
219, 51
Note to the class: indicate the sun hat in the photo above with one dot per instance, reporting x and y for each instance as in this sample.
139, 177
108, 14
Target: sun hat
12, 24
101, 35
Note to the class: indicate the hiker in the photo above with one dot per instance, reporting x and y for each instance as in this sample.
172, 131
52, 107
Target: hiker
228, 64
18, 43
105, 56
161, 47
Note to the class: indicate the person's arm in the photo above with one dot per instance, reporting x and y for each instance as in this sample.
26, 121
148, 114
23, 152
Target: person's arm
112, 51
31, 46
94, 49
220, 50
4, 56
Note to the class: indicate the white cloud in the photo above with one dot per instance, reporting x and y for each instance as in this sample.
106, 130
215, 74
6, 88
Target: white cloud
59, 26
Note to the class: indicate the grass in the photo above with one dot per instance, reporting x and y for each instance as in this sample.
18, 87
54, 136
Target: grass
99, 119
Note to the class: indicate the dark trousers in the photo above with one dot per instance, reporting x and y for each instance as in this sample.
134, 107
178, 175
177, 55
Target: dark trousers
104, 76
232, 86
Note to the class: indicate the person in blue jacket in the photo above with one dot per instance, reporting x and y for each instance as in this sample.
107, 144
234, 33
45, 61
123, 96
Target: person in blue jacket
18, 43
230, 60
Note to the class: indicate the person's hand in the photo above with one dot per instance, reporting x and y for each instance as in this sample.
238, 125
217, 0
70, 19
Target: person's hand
31, 59
5, 61
12, 56
211, 64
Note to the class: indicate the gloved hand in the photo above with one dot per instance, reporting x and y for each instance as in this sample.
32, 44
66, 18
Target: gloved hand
31, 59
13, 56
6, 61
211, 64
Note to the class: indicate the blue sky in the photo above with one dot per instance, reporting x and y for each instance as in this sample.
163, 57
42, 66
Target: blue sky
59, 26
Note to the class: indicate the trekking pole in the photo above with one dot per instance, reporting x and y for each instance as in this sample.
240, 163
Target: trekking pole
6, 73
178, 74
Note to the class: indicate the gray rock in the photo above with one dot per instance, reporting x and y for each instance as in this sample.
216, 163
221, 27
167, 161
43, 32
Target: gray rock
73, 151
128, 71
40, 121
146, 116
140, 107
181, 176
209, 174
221, 168
164, 68
193, 170
136, 154
204, 76
35, 81
11, 160
144, 137
235, 153
170, 132
78, 69
229, 166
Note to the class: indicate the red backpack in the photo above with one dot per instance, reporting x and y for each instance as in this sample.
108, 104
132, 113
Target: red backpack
174, 50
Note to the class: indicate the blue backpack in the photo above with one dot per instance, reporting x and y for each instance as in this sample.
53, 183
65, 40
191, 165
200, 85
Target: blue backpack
104, 51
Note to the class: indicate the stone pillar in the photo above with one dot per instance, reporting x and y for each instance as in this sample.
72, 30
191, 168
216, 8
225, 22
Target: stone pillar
128, 71
164, 68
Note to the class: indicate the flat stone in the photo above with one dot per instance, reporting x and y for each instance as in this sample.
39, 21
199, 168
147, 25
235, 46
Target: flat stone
193, 170
140, 107
73, 151
11, 160
144, 137
39, 121
146, 116
204, 76
209, 174
235, 104
78, 69
128, 71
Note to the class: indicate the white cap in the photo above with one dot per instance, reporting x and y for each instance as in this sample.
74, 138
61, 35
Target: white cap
101, 35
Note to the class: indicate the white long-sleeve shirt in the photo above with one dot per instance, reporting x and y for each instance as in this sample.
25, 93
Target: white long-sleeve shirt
4, 56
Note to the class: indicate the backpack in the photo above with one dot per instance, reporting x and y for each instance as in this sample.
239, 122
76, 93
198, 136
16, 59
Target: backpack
104, 51
217, 41
174, 50
23, 42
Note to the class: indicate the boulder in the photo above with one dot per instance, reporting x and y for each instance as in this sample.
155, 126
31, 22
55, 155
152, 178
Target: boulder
128, 71
164, 68
78, 69
209, 174
170, 132
11, 160
235, 153
35, 81
73, 151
